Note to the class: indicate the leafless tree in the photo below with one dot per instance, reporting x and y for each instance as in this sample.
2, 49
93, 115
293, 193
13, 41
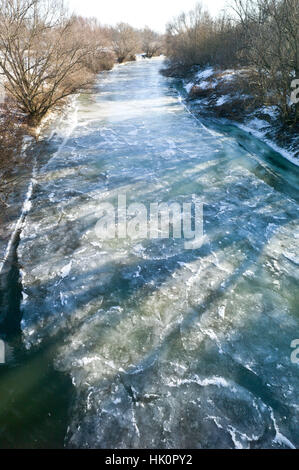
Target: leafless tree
41, 56
151, 42
271, 32
125, 42
101, 56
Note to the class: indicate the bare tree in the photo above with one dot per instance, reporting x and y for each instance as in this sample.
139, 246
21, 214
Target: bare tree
271, 32
188, 37
41, 55
152, 42
101, 56
262, 35
125, 42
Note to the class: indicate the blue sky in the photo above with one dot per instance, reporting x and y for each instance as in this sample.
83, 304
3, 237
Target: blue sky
154, 13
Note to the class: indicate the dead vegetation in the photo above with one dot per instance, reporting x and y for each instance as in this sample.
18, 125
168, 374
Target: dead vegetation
152, 44
125, 42
233, 95
43, 55
260, 35
47, 55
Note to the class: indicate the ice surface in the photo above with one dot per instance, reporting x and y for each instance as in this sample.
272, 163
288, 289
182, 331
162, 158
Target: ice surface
166, 347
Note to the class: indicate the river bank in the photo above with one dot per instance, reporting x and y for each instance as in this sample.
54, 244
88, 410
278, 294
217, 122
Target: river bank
227, 95
18, 181
18, 172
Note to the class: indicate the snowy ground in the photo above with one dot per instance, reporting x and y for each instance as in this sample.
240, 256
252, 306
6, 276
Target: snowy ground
215, 92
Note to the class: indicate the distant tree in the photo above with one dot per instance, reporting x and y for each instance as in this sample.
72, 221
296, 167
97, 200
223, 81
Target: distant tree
125, 42
188, 37
151, 42
100, 56
262, 35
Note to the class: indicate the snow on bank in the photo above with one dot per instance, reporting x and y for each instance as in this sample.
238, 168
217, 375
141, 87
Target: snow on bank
205, 73
213, 89
251, 127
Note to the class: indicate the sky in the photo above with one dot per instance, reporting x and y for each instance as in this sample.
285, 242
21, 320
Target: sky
153, 13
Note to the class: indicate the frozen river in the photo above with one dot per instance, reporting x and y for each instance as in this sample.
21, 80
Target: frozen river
141, 343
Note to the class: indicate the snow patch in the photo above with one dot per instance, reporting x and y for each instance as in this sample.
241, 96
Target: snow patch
189, 87
223, 99
260, 134
205, 73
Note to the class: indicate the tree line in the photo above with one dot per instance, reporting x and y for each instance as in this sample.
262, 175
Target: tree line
261, 36
47, 55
